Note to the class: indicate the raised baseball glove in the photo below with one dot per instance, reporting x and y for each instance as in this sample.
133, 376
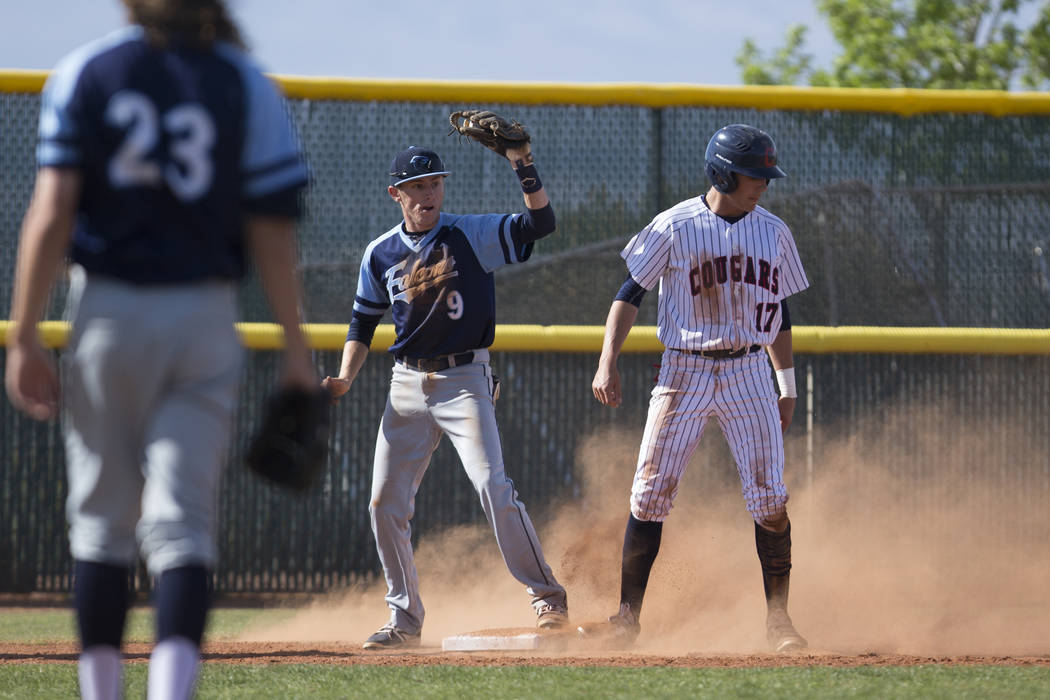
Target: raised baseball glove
489, 129
291, 444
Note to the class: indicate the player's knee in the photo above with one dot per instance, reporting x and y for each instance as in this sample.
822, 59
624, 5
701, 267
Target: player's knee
389, 509
650, 510
103, 544
491, 482
497, 495
169, 545
775, 522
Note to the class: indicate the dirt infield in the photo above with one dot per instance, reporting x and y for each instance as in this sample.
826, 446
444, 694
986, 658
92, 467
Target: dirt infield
888, 571
265, 654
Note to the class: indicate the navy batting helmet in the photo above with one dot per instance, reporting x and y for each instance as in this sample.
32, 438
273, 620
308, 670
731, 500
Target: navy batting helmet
739, 148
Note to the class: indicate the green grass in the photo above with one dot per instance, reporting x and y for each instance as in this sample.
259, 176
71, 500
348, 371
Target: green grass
46, 625
221, 680
462, 683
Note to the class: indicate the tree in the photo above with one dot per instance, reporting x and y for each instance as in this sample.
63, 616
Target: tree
941, 44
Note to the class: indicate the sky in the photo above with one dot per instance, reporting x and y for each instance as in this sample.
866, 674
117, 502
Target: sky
648, 41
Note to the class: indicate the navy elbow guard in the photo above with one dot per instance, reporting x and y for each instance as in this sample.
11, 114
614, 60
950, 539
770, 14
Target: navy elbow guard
631, 292
362, 328
533, 225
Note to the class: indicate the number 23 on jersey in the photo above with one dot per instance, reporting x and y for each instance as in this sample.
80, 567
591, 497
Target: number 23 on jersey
186, 168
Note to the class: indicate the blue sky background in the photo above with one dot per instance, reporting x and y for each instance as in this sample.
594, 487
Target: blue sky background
679, 41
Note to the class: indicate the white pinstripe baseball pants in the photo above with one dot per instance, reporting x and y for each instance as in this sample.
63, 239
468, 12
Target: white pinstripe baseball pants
741, 395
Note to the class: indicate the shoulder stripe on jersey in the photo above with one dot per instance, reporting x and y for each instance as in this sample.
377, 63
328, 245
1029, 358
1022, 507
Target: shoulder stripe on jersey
53, 153
276, 166
370, 304
279, 177
61, 84
61, 140
503, 240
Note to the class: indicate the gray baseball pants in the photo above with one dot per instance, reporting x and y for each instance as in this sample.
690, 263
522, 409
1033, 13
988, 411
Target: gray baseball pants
421, 407
149, 388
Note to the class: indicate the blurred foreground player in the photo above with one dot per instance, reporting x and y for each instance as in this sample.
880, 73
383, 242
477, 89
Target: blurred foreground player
164, 155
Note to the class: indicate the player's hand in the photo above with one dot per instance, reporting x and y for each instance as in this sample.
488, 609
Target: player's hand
524, 154
606, 386
787, 410
32, 381
336, 386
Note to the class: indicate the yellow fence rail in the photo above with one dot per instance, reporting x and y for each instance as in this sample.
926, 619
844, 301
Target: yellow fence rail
536, 338
903, 101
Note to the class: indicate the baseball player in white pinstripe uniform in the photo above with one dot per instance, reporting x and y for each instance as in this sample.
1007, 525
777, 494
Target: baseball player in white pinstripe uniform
725, 267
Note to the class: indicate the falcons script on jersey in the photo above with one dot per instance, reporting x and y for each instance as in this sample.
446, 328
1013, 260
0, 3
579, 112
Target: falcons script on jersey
440, 289
721, 283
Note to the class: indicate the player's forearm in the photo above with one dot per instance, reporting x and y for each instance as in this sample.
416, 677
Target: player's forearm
39, 256
618, 324
780, 351
354, 355
536, 200
46, 233
272, 242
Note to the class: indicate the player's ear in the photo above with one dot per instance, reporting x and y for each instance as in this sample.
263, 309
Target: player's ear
394, 192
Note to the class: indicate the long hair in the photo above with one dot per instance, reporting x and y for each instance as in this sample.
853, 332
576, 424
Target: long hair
197, 22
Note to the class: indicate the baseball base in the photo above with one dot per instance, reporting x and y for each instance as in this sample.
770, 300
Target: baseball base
590, 636
510, 639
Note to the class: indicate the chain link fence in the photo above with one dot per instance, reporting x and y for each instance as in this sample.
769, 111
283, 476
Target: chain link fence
924, 220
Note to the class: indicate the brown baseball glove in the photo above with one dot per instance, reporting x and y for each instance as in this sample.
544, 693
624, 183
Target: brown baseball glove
291, 444
489, 129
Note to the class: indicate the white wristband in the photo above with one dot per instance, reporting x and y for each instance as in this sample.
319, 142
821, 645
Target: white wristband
786, 380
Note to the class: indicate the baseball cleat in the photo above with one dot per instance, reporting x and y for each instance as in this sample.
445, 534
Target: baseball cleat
389, 636
551, 617
619, 632
781, 633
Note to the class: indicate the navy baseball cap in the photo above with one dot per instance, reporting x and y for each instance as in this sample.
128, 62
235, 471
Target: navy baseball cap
413, 163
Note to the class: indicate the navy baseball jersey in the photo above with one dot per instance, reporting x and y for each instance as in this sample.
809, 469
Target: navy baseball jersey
175, 147
440, 290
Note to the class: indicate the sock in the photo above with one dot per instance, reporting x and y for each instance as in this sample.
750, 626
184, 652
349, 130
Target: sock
101, 673
182, 600
173, 667
641, 542
774, 554
100, 596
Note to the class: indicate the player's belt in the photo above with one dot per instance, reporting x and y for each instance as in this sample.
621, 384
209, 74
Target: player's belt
436, 364
722, 354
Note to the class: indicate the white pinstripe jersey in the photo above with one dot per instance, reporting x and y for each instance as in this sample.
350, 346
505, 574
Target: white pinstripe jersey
721, 283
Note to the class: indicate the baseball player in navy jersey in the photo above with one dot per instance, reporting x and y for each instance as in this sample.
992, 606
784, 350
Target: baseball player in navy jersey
165, 156
724, 266
433, 270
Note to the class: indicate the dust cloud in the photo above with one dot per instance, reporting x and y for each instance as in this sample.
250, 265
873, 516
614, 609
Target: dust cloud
906, 539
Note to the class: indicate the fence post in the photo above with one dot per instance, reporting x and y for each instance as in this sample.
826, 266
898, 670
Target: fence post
809, 427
